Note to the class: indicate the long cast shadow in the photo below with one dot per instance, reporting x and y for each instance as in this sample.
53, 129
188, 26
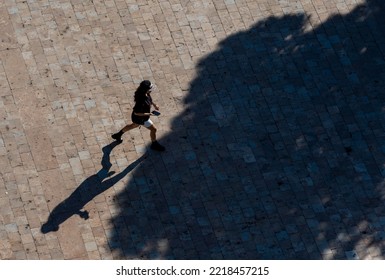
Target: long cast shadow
279, 153
87, 190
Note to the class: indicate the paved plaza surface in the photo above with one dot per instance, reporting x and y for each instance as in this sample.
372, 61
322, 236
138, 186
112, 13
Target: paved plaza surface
272, 117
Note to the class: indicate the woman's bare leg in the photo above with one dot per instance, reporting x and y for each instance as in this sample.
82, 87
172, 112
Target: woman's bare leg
129, 127
118, 136
155, 145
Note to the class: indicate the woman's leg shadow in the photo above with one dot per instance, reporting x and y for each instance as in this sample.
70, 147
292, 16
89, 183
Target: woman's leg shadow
88, 190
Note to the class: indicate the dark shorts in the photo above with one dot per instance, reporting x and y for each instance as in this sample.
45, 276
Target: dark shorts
146, 122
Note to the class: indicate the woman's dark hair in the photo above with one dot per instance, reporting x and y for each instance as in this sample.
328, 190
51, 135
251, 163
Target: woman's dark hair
141, 91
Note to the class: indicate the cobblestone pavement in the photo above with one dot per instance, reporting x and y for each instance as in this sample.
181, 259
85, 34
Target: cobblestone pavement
272, 116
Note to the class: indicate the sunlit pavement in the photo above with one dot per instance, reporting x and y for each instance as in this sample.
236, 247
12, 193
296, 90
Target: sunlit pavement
272, 114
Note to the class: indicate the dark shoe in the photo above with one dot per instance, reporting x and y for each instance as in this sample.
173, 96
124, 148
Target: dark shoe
157, 147
117, 137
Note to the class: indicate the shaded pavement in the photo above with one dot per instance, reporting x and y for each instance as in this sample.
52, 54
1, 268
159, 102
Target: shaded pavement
272, 116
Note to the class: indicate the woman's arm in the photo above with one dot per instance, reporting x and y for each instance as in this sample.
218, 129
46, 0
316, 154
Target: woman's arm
153, 103
142, 114
155, 106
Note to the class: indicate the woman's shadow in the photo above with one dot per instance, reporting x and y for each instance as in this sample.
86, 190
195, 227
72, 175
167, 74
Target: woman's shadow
90, 188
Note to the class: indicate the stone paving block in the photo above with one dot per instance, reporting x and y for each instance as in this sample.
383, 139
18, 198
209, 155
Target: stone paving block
271, 117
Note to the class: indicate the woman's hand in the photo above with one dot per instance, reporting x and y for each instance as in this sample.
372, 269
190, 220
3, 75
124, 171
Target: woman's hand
156, 107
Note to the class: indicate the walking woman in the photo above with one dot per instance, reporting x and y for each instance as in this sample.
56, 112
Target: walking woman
141, 114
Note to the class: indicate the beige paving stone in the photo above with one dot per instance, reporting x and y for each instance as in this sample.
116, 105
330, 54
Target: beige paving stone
41, 149
57, 254
7, 40
68, 71
5, 249
33, 218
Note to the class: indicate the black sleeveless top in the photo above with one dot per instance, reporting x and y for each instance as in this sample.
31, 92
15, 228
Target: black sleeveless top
141, 106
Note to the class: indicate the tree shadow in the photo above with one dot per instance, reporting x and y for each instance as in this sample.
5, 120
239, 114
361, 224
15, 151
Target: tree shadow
278, 154
87, 190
